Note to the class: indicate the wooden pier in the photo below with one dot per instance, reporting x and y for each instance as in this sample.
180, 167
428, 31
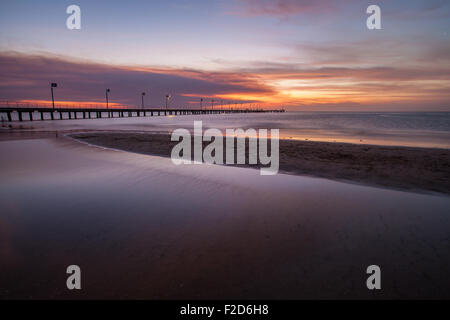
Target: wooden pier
31, 114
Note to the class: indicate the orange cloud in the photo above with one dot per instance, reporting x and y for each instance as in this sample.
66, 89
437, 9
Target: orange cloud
26, 78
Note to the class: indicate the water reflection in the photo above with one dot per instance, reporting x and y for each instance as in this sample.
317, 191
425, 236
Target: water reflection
140, 227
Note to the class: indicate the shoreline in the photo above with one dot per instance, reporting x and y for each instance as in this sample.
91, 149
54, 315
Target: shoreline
414, 169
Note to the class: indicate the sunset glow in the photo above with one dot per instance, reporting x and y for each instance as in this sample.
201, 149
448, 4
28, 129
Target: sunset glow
294, 54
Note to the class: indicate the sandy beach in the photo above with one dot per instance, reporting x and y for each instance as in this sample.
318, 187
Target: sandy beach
404, 168
140, 227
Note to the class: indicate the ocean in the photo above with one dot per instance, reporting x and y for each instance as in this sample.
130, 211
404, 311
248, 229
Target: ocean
420, 129
402, 129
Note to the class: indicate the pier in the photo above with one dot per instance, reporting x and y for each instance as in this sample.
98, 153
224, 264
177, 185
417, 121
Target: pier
38, 113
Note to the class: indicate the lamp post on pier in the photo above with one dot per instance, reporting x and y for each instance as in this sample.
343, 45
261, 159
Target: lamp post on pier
168, 96
107, 91
53, 85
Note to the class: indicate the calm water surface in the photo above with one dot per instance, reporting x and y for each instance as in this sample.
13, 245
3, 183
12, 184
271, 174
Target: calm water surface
140, 227
404, 129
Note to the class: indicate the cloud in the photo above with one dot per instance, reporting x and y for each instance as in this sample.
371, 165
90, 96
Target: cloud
27, 77
395, 9
284, 8
374, 51
356, 73
419, 87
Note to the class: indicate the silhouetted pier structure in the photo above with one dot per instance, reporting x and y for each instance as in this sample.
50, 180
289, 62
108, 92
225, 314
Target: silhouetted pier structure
36, 113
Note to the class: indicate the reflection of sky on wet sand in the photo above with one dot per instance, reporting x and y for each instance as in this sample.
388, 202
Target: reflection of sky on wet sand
141, 227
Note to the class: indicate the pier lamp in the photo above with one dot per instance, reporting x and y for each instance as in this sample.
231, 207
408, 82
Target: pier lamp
53, 85
168, 96
107, 91
143, 94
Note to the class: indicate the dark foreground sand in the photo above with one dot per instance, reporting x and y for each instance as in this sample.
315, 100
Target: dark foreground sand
406, 168
141, 228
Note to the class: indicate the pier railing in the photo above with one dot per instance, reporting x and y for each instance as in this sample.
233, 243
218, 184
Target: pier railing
39, 105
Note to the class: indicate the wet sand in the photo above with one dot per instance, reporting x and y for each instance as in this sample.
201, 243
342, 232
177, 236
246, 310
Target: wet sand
404, 168
140, 227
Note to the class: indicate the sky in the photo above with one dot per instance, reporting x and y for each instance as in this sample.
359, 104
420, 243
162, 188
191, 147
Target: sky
297, 54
